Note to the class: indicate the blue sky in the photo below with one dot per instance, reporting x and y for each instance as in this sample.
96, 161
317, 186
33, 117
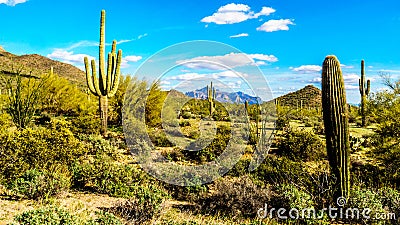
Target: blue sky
286, 39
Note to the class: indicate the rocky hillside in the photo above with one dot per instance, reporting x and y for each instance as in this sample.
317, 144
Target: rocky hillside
308, 96
36, 65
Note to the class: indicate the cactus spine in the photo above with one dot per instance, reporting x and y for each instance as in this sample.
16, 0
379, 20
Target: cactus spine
211, 97
106, 85
364, 91
336, 123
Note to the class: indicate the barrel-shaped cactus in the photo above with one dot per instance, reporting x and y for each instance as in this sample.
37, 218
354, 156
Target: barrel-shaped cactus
336, 123
106, 84
364, 91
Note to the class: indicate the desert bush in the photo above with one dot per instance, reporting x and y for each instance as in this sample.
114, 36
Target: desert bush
171, 222
47, 215
37, 148
184, 123
85, 124
299, 144
41, 184
238, 196
390, 199
362, 198
104, 175
282, 122
5, 121
97, 145
213, 150
289, 196
160, 139
277, 171
144, 204
104, 218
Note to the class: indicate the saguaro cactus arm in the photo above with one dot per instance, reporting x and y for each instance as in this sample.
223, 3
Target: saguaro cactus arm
116, 76
91, 78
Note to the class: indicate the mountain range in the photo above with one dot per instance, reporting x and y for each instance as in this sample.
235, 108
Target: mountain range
225, 97
35, 64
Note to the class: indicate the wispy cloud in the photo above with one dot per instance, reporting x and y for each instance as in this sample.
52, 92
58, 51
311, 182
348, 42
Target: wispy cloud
240, 35
231, 60
307, 69
12, 2
68, 56
235, 13
276, 25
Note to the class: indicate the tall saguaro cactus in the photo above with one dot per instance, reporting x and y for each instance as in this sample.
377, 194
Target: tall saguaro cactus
336, 123
211, 97
364, 91
106, 84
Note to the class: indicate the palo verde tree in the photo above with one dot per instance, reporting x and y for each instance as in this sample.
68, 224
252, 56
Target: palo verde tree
106, 85
335, 114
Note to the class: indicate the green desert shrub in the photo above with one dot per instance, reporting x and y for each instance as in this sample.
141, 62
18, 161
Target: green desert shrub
104, 175
238, 196
37, 148
97, 145
5, 121
172, 222
104, 218
144, 204
160, 139
298, 144
41, 184
208, 152
289, 196
47, 215
362, 198
277, 171
85, 124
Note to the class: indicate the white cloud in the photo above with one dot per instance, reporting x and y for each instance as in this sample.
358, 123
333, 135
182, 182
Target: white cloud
307, 69
350, 78
130, 58
240, 35
343, 66
12, 2
228, 74
276, 25
230, 60
68, 56
235, 13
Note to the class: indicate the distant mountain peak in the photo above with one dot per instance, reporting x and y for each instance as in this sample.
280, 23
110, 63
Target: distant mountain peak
225, 97
2, 49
